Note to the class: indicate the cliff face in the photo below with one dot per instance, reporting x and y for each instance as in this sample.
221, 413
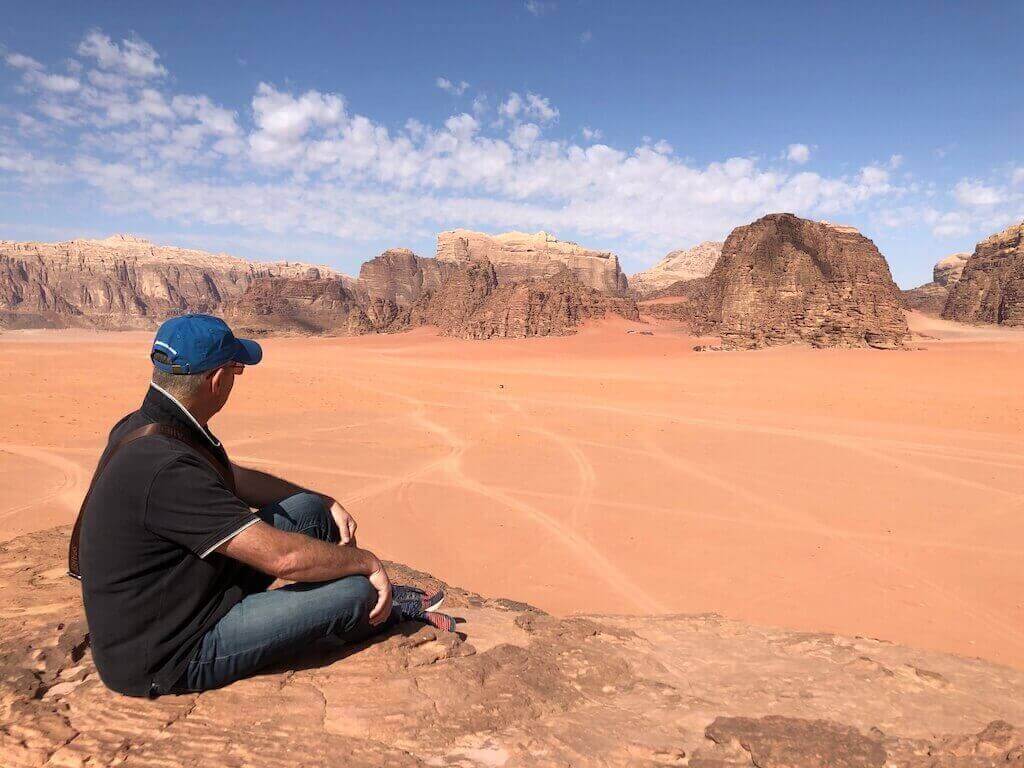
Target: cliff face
517, 688
473, 304
400, 276
122, 281
691, 264
991, 288
784, 280
931, 297
314, 305
518, 256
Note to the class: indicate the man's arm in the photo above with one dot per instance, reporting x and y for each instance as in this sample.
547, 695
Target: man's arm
296, 557
257, 489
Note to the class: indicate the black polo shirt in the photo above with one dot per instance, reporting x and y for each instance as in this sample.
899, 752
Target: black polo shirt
151, 583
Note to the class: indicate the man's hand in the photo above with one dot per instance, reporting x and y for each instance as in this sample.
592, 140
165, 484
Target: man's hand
346, 523
380, 581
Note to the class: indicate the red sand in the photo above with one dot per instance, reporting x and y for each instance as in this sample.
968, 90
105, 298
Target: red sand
856, 491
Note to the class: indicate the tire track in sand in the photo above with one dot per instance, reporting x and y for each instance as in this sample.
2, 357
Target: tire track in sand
69, 491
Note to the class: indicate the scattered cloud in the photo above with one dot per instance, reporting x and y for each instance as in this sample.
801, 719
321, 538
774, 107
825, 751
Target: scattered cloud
586, 36
973, 192
1017, 177
539, 7
304, 163
133, 58
455, 89
798, 153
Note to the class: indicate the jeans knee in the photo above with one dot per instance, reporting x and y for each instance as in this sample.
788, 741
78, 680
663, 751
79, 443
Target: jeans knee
312, 516
356, 598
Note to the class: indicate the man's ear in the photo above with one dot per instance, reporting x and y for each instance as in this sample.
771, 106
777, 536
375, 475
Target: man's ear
216, 380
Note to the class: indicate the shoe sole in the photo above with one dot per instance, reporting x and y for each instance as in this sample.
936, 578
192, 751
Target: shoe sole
435, 606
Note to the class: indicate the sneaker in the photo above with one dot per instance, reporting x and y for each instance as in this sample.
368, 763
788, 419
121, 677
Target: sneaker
442, 621
412, 603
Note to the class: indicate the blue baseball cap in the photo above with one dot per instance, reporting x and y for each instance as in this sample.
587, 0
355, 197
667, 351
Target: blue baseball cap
197, 343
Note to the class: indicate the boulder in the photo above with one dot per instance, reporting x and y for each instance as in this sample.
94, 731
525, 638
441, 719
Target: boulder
991, 288
783, 280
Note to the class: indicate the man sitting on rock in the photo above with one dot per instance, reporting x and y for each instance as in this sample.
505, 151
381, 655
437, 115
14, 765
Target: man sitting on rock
176, 567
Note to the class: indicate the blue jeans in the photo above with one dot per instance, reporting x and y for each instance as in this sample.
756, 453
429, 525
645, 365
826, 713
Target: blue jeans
270, 626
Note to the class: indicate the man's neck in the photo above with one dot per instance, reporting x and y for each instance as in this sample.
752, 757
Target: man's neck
201, 416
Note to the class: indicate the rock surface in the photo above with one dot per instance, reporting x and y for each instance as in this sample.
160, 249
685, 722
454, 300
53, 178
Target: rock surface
782, 280
520, 256
520, 688
690, 264
312, 305
473, 304
991, 288
122, 282
931, 297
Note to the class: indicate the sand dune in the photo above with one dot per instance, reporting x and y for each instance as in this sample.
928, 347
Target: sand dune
854, 491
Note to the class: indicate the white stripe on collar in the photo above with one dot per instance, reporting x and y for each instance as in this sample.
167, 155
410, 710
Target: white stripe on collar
185, 410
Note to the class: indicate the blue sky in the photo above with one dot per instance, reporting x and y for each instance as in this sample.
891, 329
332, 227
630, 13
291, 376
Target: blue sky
327, 132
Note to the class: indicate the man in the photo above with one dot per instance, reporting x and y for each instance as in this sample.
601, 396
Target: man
175, 564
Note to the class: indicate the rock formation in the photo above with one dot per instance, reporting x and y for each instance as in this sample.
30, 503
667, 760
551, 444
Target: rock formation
691, 264
519, 688
400, 276
121, 282
991, 288
519, 256
931, 297
311, 305
783, 280
473, 304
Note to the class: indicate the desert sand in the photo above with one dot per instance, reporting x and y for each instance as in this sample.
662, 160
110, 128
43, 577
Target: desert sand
861, 492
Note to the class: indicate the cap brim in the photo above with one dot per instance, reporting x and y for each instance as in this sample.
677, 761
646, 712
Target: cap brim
250, 353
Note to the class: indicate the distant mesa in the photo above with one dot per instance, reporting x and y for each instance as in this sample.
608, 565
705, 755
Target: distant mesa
784, 280
522, 256
677, 266
779, 280
991, 286
930, 298
122, 282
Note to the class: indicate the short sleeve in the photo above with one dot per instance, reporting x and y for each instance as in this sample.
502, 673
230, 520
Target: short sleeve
190, 505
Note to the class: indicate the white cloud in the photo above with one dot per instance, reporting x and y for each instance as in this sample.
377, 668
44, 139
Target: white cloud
972, 192
798, 153
133, 58
1017, 177
303, 165
21, 61
538, 7
586, 36
455, 89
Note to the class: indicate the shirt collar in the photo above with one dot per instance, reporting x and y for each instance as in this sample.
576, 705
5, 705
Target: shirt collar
160, 402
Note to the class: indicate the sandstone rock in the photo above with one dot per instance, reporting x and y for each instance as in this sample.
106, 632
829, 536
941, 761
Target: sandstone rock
122, 281
931, 297
691, 264
991, 288
519, 256
400, 277
300, 305
472, 303
784, 280
519, 688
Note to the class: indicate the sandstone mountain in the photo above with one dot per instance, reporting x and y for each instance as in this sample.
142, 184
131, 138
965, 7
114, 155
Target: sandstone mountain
518, 688
520, 256
931, 297
782, 279
122, 282
680, 265
991, 288
304, 305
